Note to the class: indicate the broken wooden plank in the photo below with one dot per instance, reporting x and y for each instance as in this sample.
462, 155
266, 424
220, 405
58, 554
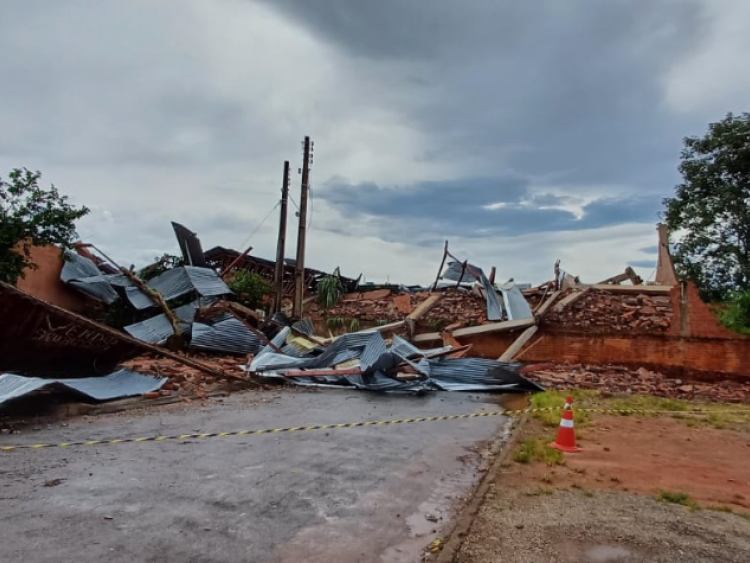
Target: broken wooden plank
633, 289
544, 307
425, 306
481, 329
628, 274
526, 350
569, 299
493, 327
518, 343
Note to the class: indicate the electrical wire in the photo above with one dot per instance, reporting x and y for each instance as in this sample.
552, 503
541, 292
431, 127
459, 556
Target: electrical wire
247, 240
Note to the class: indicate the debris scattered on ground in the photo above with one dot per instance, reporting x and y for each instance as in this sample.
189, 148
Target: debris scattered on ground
187, 381
364, 361
620, 379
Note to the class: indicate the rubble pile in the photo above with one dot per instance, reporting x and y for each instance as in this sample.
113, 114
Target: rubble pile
603, 311
188, 381
620, 379
464, 307
370, 306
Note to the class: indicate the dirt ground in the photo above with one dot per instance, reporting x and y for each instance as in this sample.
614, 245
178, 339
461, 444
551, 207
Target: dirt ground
606, 504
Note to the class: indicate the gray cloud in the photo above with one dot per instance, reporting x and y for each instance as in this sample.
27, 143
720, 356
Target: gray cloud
565, 112
479, 207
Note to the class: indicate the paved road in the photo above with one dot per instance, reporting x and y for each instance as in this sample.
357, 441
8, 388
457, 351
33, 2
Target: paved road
358, 494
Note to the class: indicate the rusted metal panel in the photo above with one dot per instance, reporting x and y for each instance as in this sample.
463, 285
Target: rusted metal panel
35, 335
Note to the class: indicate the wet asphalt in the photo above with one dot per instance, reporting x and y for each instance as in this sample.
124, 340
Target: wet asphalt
368, 494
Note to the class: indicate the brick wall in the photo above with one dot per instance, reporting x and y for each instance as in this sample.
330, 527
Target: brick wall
698, 358
693, 317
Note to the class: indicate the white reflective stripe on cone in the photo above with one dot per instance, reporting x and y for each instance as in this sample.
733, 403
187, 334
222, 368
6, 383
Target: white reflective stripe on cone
565, 423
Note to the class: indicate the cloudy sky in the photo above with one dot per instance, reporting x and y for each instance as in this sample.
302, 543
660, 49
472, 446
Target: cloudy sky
520, 131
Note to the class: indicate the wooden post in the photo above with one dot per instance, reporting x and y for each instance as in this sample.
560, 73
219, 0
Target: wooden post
299, 272
279, 272
442, 263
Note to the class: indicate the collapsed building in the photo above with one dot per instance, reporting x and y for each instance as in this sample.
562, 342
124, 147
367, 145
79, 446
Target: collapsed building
462, 332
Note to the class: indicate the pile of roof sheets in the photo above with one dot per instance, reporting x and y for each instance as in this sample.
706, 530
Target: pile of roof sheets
364, 360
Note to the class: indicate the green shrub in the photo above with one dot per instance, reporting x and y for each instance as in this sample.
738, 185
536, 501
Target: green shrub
250, 288
735, 315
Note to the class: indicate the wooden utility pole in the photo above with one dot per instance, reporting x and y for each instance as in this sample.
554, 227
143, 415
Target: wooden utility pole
299, 273
278, 277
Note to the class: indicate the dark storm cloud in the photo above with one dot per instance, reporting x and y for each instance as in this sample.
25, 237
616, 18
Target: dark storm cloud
480, 207
569, 86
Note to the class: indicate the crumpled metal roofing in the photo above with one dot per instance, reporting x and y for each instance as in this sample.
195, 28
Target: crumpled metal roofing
85, 276
157, 329
228, 335
376, 360
515, 303
178, 282
122, 383
453, 272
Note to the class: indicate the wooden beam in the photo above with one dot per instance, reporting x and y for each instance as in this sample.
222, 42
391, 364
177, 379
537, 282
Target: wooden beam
525, 351
634, 289
518, 343
474, 330
424, 306
542, 310
569, 299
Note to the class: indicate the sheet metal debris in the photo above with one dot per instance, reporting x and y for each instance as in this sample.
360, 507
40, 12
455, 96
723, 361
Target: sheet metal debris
180, 281
122, 383
398, 367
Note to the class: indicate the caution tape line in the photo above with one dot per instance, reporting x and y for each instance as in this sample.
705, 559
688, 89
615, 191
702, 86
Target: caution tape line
373, 423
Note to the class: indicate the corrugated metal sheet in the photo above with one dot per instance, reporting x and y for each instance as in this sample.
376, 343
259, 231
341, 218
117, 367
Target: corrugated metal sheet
85, 276
180, 281
229, 336
305, 326
453, 272
157, 329
494, 308
476, 374
123, 383
515, 303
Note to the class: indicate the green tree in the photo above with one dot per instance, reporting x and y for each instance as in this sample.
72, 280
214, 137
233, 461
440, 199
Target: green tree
710, 212
31, 215
250, 288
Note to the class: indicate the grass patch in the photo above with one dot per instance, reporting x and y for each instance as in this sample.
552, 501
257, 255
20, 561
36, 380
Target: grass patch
682, 499
537, 449
556, 400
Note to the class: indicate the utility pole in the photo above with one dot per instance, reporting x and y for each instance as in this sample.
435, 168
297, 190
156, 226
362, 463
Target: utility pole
299, 272
278, 278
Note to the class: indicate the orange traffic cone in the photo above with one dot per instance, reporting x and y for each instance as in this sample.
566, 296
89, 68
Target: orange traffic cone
566, 435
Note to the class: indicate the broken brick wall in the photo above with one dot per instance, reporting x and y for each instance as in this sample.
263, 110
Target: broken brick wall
700, 358
693, 317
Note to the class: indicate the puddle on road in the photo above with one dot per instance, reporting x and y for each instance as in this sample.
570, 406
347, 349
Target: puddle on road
606, 554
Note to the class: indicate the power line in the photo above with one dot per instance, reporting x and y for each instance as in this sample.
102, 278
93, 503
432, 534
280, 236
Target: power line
242, 246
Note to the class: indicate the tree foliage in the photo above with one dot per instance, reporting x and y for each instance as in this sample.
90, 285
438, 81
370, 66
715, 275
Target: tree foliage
735, 314
710, 212
31, 216
250, 288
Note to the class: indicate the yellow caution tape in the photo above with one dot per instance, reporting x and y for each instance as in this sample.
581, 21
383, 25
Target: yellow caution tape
375, 423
